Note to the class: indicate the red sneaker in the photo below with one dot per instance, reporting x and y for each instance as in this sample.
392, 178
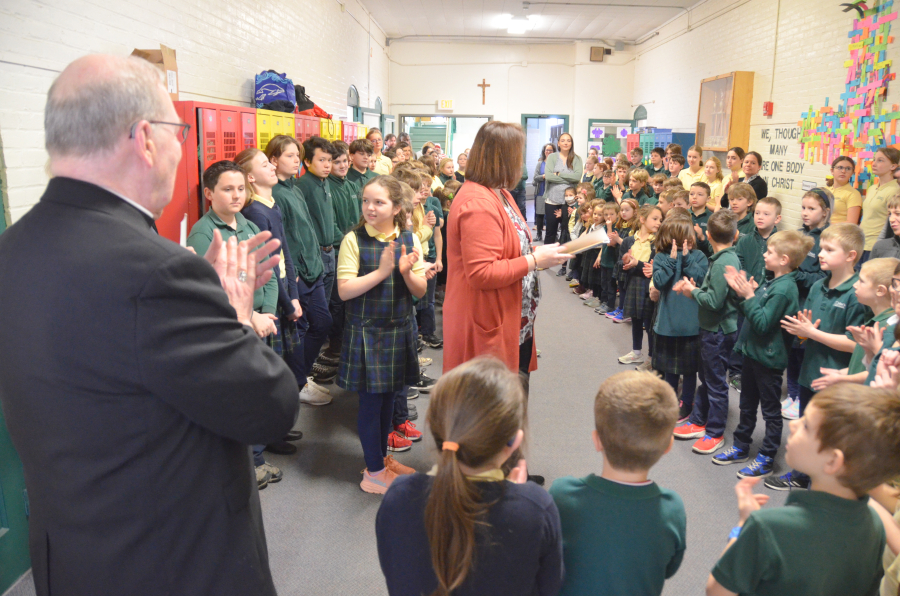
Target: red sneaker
689, 431
408, 431
398, 443
708, 444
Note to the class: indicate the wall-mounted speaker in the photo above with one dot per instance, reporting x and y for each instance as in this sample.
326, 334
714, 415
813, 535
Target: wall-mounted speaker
597, 54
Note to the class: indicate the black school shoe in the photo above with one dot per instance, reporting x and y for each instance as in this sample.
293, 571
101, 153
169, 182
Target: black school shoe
425, 384
294, 435
789, 481
433, 341
322, 373
281, 448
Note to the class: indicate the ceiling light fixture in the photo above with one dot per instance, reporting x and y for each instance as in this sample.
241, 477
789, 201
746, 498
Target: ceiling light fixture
519, 25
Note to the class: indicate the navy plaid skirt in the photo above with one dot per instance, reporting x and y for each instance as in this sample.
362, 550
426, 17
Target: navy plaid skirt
288, 337
637, 298
378, 355
676, 355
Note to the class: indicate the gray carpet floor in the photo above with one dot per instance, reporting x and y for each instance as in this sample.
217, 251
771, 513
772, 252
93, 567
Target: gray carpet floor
321, 527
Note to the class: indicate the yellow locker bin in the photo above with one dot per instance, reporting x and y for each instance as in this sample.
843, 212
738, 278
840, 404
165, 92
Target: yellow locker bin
269, 124
330, 129
361, 131
284, 124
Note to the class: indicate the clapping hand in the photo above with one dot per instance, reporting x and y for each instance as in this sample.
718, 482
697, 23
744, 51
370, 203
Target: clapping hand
241, 270
654, 294
430, 219
830, 376
887, 373
648, 270
870, 338
628, 261
685, 287
614, 238
519, 474
737, 281
617, 192
699, 232
748, 502
801, 325
386, 264
408, 260
557, 213
685, 248
674, 253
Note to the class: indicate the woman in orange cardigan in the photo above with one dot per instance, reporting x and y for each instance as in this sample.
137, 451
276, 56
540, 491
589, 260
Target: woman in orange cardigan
492, 285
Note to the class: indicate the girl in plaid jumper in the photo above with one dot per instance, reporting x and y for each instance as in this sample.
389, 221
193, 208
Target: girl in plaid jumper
636, 251
379, 271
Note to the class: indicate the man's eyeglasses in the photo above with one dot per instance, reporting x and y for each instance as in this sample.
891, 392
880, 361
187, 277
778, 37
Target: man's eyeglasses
895, 283
182, 126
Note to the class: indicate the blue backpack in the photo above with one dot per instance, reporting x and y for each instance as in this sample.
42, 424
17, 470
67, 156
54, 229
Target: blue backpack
272, 86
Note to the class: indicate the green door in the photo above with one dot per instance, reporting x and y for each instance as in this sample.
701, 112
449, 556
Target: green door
14, 559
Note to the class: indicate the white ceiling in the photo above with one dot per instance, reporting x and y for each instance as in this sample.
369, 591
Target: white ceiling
566, 21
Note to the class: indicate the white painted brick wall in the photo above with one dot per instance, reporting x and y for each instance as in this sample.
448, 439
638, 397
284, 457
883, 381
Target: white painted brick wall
220, 45
809, 55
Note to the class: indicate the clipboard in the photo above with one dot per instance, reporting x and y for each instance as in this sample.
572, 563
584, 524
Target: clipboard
585, 242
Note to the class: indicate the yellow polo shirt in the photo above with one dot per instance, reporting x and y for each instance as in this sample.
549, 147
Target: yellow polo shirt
716, 190
845, 197
641, 249
874, 211
348, 258
383, 165
687, 178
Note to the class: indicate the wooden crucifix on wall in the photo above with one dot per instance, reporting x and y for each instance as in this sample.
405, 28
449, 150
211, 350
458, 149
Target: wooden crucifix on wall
483, 85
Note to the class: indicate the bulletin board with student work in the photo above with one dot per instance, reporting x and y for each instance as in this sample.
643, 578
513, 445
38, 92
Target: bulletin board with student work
723, 114
608, 136
859, 122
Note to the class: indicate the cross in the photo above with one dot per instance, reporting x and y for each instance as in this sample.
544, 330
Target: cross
483, 85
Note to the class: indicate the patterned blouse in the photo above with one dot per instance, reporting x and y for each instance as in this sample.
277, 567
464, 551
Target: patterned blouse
531, 287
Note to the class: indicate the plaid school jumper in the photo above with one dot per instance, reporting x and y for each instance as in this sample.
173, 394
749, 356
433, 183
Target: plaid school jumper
379, 352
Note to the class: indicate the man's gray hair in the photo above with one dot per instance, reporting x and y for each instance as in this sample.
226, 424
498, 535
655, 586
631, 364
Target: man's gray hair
89, 117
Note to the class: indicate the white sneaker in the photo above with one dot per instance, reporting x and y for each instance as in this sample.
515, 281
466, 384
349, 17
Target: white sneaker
587, 295
317, 387
631, 358
309, 395
792, 412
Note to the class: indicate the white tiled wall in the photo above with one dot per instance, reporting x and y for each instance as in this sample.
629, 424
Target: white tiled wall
324, 45
718, 37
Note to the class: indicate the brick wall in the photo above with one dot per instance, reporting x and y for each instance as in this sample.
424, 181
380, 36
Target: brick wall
219, 44
719, 37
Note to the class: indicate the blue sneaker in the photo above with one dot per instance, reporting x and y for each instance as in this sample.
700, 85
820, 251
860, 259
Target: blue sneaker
761, 466
614, 313
789, 481
732, 455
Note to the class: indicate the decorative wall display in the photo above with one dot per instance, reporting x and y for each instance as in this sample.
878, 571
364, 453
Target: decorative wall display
860, 123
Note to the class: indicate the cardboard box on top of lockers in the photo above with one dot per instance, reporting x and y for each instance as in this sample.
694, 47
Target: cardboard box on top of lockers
163, 59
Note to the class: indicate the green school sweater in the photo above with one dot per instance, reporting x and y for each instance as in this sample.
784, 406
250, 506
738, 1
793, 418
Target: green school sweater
346, 203
618, 539
360, 179
762, 337
750, 249
653, 171
319, 202
201, 236
715, 299
678, 315
641, 197
837, 309
298, 228
745, 225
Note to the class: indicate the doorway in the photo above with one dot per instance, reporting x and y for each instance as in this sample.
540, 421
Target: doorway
540, 130
454, 134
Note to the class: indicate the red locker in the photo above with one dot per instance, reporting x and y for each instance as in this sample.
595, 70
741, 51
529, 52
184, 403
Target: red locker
632, 141
304, 125
248, 127
208, 133
230, 131
349, 132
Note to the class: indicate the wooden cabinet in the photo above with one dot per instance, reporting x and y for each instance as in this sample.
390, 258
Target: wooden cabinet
723, 116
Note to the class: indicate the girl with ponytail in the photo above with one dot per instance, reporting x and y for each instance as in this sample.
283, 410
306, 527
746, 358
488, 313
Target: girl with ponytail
463, 528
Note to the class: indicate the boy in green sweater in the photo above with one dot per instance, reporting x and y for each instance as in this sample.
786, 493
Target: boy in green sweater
765, 347
751, 247
622, 533
360, 152
830, 308
718, 331
827, 540
657, 162
345, 199
873, 289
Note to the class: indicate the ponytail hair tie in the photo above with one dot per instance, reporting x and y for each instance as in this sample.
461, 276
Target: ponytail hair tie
450, 446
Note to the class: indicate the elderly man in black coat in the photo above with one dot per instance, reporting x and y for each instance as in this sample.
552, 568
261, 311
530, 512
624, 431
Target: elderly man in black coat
130, 378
